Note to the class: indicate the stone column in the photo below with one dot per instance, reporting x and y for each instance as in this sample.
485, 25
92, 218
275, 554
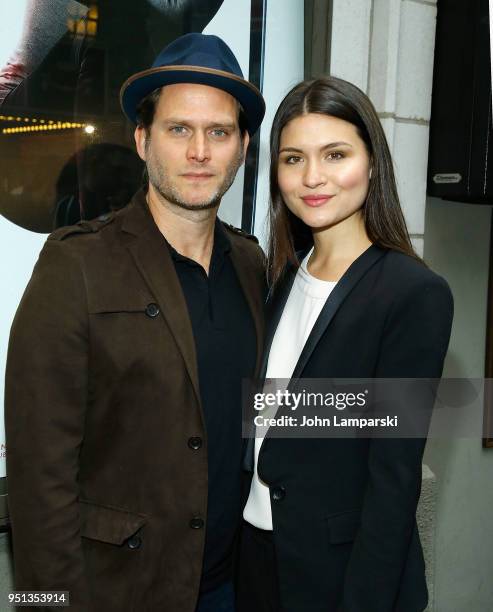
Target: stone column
386, 47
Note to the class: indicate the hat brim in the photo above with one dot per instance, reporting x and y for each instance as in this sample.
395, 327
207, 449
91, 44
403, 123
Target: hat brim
139, 85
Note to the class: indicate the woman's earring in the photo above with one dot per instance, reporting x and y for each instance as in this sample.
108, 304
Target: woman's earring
369, 176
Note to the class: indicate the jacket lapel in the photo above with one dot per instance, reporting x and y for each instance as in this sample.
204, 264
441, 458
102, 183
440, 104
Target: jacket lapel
275, 306
345, 285
252, 289
343, 288
154, 263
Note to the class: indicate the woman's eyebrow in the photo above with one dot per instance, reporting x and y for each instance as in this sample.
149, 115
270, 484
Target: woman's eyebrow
330, 145
341, 143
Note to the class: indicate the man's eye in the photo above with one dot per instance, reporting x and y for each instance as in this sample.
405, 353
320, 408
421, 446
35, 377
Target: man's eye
177, 129
218, 133
293, 159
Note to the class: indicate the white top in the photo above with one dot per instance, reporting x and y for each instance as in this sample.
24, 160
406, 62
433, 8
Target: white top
306, 299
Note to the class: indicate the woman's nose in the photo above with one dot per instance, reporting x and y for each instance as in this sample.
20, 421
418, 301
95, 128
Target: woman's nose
314, 175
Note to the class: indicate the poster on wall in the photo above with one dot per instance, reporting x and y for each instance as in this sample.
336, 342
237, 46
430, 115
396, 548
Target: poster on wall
67, 152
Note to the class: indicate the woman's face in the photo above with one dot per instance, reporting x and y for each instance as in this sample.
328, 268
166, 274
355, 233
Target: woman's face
323, 170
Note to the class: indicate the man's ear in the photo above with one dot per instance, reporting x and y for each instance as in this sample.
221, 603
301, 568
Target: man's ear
246, 141
140, 136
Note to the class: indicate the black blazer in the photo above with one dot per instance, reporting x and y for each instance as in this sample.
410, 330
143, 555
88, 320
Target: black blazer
344, 509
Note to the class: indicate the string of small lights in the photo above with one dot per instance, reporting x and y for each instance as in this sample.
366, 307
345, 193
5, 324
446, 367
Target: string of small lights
11, 118
28, 119
43, 125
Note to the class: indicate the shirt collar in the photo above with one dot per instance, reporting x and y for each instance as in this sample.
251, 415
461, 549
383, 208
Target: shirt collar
222, 245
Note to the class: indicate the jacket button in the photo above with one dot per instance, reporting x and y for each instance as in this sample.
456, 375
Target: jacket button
134, 542
196, 523
278, 493
152, 310
195, 443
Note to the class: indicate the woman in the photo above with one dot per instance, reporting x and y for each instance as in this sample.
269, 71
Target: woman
330, 523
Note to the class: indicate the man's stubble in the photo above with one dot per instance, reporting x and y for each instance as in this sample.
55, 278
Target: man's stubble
159, 179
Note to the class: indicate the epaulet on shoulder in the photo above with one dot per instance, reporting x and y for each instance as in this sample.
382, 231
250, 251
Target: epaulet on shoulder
82, 227
240, 232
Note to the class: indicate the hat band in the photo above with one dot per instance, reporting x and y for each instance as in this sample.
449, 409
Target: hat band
223, 73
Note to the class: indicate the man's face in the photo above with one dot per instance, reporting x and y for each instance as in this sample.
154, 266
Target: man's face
194, 148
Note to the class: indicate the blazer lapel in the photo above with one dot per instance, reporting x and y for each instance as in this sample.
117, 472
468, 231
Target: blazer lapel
340, 292
154, 262
343, 288
252, 289
275, 307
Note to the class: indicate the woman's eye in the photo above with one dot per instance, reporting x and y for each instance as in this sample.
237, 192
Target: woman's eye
293, 159
335, 155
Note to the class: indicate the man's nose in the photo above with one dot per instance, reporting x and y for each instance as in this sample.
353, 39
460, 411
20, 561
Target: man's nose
314, 174
198, 148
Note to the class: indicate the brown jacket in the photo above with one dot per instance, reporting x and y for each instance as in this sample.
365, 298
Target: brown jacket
101, 401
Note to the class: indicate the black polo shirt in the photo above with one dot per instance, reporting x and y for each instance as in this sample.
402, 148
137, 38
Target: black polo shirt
225, 343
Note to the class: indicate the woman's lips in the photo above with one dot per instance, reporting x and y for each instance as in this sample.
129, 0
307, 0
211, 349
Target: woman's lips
316, 200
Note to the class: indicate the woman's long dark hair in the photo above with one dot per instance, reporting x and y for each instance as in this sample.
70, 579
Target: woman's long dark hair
382, 214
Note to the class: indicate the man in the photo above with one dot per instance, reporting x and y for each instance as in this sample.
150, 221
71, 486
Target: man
126, 357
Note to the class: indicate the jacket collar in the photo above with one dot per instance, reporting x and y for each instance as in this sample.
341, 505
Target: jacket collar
343, 288
145, 243
275, 307
252, 281
277, 298
155, 265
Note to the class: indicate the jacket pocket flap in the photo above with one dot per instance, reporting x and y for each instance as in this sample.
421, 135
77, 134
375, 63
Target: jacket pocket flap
107, 524
343, 527
120, 307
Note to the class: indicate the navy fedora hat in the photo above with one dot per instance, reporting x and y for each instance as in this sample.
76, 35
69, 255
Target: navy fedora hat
204, 59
